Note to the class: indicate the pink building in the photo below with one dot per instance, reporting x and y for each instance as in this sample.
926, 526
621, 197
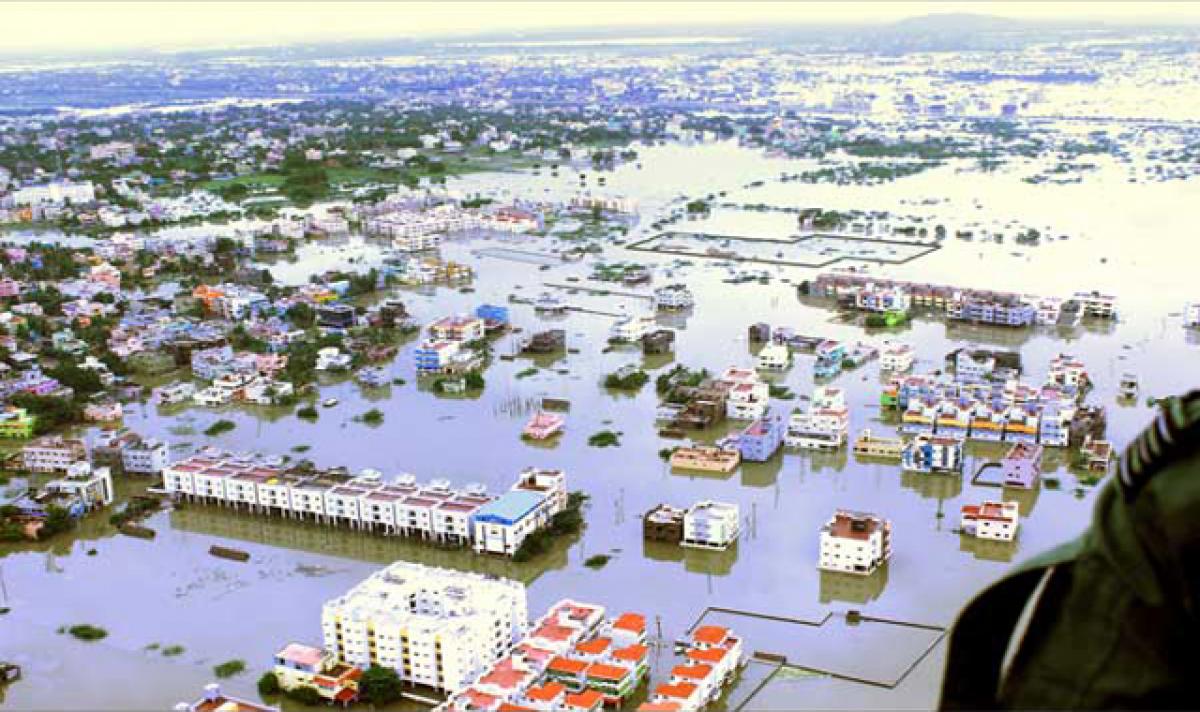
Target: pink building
543, 425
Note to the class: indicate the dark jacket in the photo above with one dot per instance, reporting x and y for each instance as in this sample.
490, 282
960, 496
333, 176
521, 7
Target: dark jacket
1109, 620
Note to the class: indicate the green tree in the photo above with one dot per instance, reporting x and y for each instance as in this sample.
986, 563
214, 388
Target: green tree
268, 684
379, 685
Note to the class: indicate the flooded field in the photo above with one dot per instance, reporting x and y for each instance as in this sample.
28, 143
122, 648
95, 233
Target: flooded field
170, 591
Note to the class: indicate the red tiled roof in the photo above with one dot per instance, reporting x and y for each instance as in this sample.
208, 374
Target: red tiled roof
693, 672
586, 700
545, 693
633, 622
595, 646
567, 665
682, 690
710, 634
632, 653
711, 655
604, 671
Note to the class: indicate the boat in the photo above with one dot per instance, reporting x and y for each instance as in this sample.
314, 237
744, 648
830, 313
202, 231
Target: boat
329, 402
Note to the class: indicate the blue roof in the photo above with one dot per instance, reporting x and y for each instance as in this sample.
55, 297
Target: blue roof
509, 507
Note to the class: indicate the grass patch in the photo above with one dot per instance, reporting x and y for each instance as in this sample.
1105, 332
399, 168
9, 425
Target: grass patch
229, 668
301, 448
597, 561
87, 632
531, 371
605, 438
219, 427
173, 650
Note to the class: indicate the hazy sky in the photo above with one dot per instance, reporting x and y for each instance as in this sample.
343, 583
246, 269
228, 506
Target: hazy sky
57, 26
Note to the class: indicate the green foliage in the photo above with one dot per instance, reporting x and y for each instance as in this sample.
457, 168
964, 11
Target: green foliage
565, 523
474, 381
605, 438
83, 381
229, 668
308, 412
52, 412
87, 632
597, 561
379, 685
57, 520
302, 315
373, 416
219, 427
268, 684
172, 651
626, 381
526, 373
306, 695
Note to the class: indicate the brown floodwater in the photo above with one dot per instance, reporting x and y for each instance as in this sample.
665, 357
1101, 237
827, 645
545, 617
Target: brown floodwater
151, 594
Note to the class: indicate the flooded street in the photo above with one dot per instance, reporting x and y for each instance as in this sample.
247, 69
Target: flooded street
1124, 239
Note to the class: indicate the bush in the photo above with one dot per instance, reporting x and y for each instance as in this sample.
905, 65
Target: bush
605, 438
379, 686
88, 632
173, 650
219, 427
307, 413
229, 668
597, 561
474, 381
306, 695
531, 371
268, 684
632, 381
373, 416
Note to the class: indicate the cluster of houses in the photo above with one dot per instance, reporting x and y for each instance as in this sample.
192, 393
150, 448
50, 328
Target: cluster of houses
448, 350
994, 405
704, 525
419, 230
260, 486
573, 658
874, 294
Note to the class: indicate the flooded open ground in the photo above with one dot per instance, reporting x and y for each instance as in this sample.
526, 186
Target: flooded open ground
1123, 238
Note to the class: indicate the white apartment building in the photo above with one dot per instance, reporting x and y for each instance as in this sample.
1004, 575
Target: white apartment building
711, 525
55, 194
991, 520
748, 397
1095, 304
434, 512
774, 357
503, 524
824, 425
91, 486
52, 453
434, 627
897, 358
673, 297
417, 242
631, 329
1191, 315
855, 543
146, 457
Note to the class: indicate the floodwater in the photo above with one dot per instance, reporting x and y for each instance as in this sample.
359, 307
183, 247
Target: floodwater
169, 591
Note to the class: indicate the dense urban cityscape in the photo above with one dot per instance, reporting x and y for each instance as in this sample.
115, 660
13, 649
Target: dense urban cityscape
656, 368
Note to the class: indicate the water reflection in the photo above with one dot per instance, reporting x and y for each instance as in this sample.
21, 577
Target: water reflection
696, 561
851, 588
316, 539
988, 549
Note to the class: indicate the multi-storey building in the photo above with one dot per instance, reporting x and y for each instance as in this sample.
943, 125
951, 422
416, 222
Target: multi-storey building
673, 297
502, 525
991, 520
897, 358
461, 328
855, 542
146, 457
711, 525
52, 453
761, 439
434, 627
823, 424
774, 357
933, 454
1021, 467
746, 397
